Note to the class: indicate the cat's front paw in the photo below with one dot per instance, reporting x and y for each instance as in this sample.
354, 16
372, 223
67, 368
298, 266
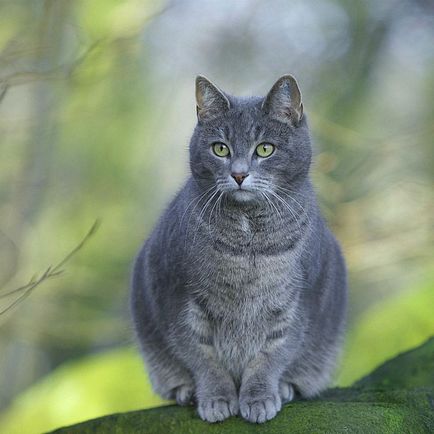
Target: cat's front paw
259, 409
216, 409
286, 391
184, 394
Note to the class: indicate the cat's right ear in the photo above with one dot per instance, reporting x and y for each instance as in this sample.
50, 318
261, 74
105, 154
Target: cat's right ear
210, 100
283, 102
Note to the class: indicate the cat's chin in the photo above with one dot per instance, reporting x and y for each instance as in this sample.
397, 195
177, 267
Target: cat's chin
243, 195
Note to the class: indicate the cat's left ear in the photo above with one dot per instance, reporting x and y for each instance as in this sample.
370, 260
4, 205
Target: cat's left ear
210, 100
283, 102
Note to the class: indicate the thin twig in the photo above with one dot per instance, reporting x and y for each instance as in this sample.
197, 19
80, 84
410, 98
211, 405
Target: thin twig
49, 273
3, 91
65, 71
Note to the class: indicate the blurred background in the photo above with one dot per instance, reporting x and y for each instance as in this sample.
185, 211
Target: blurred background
96, 110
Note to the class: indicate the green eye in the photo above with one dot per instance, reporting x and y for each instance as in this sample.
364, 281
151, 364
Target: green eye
220, 149
264, 149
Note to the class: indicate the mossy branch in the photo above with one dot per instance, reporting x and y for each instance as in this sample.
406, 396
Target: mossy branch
398, 397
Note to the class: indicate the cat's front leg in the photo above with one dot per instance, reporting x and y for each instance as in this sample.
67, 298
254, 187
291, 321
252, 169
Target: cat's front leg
215, 393
262, 391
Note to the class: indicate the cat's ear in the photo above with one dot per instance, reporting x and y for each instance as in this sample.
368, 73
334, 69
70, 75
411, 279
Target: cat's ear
210, 100
283, 102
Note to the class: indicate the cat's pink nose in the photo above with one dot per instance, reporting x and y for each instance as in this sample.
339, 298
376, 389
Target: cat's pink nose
239, 177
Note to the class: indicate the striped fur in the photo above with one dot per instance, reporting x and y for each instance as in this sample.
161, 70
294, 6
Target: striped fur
239, 299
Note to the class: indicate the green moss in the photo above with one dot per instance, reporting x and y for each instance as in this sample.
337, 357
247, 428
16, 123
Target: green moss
397, 397
320, 416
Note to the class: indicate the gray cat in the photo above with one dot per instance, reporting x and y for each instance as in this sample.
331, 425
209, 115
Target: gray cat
239, 293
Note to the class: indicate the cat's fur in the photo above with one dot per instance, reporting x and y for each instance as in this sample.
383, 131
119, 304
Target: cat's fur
239, 293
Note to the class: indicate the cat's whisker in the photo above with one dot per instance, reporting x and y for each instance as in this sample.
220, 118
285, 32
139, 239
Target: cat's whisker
292, 191
294, 200
203, 196
269, 188
265, 198
289, 194
213, 207
272, 205
287, 206
268, 203
219, 201
271, 185
203, 211
197, 198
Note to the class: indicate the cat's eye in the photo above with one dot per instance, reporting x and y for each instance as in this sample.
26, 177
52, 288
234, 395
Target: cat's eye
220, 149
264, 149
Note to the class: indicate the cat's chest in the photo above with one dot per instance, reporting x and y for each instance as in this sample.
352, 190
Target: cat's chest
240, 335
245, 270
251, 246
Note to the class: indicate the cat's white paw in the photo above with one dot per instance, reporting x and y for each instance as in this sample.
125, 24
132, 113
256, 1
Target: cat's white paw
286, 392
259, 410
217, 409
184, 394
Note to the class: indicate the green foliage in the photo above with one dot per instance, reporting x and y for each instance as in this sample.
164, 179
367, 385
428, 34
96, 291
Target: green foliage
110, 382
412, 369
96, 107
387, 328
72, 139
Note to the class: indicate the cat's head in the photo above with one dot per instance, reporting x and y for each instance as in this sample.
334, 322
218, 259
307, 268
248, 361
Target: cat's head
250, 147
